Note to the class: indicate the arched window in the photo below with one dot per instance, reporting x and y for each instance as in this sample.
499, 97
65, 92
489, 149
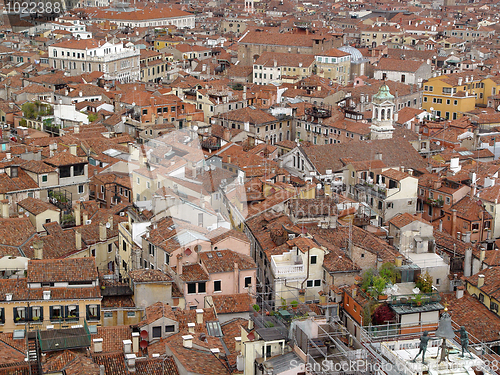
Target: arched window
388, 113
382, 114
376, 112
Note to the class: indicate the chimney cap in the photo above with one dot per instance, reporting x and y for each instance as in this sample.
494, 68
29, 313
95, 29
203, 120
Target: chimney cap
191, 324
215, 350
97, 340
187, 337
125, 342
199, 311
135, 334
130, 356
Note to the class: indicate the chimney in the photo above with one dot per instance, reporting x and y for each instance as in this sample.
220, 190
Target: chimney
77, 213
179, 264
135, 342
102, 370
72, 149
399, 261
191, 327
130, 359
187, 341
76, 128
460, 292
237, 345
199, 316
482, 254
440, 225
102, 232
5, 208
97, 345
229, 160
480, 281
85, 216
236, 278
110, 221
454, 223
127, 346
78, 239
354, 292
390, 239
38, 249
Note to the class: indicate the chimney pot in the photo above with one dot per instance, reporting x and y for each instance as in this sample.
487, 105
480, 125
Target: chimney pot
127, 346
199, 316
187, 341
191, 327
98, 345
480, 281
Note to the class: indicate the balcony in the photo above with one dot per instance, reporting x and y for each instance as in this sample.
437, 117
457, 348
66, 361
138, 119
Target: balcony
373, 190
285, 264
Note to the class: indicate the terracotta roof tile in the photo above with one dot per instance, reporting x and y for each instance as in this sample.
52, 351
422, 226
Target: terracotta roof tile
36, 206
232, 303
60, 270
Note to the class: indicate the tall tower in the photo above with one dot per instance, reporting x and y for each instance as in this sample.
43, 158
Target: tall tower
249, 6
382, 114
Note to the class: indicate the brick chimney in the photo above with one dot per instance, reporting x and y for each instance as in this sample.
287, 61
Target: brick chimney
78, 239
135, 342
38, 249
187, 341
199, 316
97, 345
179, 264
480, 281
5, 208
102, 232
77, 212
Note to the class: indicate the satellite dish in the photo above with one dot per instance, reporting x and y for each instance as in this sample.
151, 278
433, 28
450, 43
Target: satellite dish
143, 344
195, 128
438, 143
498, 108
108, 225
144, 334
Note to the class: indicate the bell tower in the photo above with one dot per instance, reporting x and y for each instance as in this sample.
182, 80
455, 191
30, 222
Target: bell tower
382, 114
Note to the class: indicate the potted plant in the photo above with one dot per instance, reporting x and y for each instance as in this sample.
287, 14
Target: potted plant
294, 304
418, 299
256, 309
36, 318
18, 319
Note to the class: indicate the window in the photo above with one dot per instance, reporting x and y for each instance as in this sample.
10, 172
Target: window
151, 249
448, 200
45, 177
314, 259
481, 297
56, 312
191, 288
131, 314
248, 281
217, 286
310, 283
110, 247
72, 312
80, 189
438, 282
202, 287
19, 314
493, 306
156, 332
93, 312
167, 258
79, 169
36, 314
317, 282
108, 314
124, 245
170, 328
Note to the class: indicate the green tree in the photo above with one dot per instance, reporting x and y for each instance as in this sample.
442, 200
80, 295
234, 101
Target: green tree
29, 110
92, 117
388, 271
424, 282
